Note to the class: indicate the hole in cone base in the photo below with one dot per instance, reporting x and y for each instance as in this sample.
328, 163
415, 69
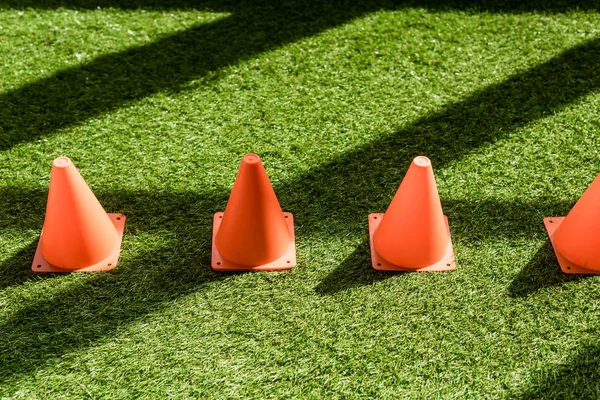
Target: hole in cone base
61, 162
422, 161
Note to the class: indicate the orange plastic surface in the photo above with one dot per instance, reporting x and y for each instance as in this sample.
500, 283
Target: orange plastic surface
286, 261
447, 263
413, 234
577, 238
253, 233
552, 224
77, 234
41, 265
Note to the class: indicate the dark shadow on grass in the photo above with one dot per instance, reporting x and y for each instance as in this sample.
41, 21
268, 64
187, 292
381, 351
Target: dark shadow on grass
169, 64
354, 271
16, 269
577, 379
23, 209
335, 195
96, 306
500, 6
540, 272
147, 212
471, 222
363, 180
171, 259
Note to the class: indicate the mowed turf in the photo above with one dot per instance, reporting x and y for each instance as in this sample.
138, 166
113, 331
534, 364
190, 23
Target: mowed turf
156, 103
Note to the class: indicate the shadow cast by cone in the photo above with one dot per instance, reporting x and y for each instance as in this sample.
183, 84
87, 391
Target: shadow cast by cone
173, 263
174, 268
354, 271
16, 269
541, 271
470, 222
575, 379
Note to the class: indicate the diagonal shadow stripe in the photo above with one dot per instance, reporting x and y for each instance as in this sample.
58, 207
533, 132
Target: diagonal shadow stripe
170, 265
75, 316
364, 180
473, 221
108, 82
370, 174
541, 271
575, 379
342, 190
501, 6
148, 212
76, 94
148, 278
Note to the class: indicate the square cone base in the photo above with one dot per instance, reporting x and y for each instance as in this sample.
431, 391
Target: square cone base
552, 224
447, 263
286, 261
41, 265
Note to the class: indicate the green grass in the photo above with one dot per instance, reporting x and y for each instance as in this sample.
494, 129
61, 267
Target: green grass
157, 102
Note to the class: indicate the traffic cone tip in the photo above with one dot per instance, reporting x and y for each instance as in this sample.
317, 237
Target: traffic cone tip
61, 162
422, 161
251, 158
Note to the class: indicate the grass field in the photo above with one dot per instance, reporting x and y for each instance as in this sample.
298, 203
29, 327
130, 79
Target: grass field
156, 103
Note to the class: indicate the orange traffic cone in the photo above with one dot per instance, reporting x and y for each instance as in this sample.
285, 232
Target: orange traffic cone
253, 233
576, 237
77, 234
413, 234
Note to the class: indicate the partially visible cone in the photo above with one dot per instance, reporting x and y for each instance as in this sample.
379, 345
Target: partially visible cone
576, 237
253, 233
78, 235
413, 234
